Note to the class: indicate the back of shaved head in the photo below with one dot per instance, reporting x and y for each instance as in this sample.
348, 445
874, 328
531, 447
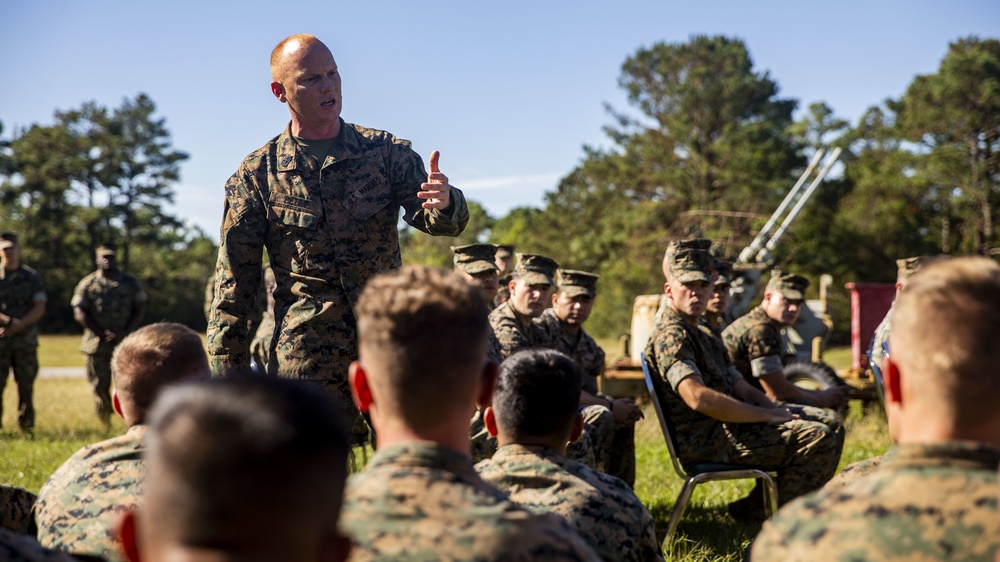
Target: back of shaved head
288, 45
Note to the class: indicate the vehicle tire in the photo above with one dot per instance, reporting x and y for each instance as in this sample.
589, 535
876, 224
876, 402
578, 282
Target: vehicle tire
814, 376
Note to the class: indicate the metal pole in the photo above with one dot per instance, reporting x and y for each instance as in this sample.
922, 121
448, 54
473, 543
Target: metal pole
801, 202
751, 251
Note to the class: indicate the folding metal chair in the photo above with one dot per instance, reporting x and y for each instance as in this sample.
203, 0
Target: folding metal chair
699, 473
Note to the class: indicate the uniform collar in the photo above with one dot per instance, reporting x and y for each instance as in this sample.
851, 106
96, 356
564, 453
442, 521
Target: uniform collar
291, 157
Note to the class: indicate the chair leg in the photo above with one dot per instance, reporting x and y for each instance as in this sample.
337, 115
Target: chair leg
770, 496
682, 501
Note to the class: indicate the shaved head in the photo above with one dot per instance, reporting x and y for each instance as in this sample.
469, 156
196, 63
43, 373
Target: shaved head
290, 48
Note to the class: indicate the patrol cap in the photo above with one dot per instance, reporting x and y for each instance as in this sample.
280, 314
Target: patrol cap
536, 269
906, 267
504, 251
789, 285
574, 283
723, 270
689, 260
475, 258
8, 239
105, 250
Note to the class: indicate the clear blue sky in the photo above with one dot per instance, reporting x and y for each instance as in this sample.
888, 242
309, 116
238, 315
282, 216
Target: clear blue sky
509, 92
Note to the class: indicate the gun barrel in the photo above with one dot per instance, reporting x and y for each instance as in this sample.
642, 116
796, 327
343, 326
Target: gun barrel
803, 200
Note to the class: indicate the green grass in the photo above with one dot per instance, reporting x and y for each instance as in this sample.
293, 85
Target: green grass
65, 422
60, 351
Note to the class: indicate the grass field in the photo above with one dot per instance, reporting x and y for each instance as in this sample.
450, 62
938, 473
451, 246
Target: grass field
65, 422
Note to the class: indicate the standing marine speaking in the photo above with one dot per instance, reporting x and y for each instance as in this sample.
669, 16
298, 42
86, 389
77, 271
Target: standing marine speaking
323, 198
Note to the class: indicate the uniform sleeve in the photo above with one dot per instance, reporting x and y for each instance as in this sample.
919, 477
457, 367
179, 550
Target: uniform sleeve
510, 337
38, 289
407, 173
674, 355
237, 274
80, 295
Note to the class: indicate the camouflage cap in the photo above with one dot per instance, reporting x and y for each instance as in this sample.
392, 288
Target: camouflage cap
575, 283
504, 251
536, 269
105, 250
475, 258
906, 267
689, 260
789, 285
8, 239
723, 271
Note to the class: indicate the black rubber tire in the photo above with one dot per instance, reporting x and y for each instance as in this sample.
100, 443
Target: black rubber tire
814, 376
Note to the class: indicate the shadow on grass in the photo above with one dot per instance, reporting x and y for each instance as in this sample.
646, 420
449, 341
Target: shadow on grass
704, 533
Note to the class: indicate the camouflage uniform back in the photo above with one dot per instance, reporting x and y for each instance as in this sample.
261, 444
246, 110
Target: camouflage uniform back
77, 509
422, 501
926, 502
600, 508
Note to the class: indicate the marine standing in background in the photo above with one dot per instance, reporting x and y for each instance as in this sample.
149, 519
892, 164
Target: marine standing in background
323, 198
109, 304
22, 304
756, 347
610, 421
905, 268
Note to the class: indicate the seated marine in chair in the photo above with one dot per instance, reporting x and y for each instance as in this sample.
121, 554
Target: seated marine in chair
716, 415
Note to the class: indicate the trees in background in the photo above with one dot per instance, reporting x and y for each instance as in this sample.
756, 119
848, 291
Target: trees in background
94, 176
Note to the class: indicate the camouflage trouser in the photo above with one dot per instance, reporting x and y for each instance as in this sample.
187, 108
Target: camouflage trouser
621, 460
583, 450
804, 452
99, 375
483, 445
321, 350
15, 509
612, 449
25, 365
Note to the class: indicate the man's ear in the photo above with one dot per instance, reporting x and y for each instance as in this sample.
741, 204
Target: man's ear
488, 383
128, 535
490, 420
891, 378
116, 403
360, 390
279, 91
577, 431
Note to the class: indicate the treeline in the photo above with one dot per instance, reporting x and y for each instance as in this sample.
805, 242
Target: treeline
709, 148
706, 147
98, 176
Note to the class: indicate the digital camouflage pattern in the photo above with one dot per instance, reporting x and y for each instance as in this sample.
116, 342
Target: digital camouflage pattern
327, 228
422, 501
926, 502
512, 331
20, 289
751, 337
580, 347
804, 452
614, 447
15, 509
109, 301
854, 472
78, 508
17, 547
600, 508
483, 445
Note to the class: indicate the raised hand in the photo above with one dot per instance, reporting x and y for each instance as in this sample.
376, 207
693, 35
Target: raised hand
436, 190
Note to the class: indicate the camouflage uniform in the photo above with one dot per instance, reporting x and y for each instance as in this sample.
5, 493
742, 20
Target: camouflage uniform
905, 268
78, 508
110, 302
804, 453
600, 508
854, 472
512, 331
614, 448
483, 445
926, 502
753, 339
15, 509
327, 230
16, 547
20, 289
423, 501
260, 347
